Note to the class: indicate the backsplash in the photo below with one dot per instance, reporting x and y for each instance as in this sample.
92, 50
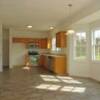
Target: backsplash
42, 51
59, 51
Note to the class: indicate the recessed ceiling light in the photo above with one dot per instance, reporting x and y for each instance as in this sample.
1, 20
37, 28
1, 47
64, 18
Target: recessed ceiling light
70, 31
29, 26
51, 28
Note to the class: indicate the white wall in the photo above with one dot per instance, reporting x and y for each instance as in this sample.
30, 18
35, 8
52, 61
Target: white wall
17, 54
1, 68
95, 65
18, 50
79, 68
88, 67
95, 70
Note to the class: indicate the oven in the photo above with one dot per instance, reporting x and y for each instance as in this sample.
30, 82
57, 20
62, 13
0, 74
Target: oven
34, 58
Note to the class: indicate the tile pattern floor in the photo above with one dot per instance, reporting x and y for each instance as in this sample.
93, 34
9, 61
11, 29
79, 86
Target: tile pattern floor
37, 84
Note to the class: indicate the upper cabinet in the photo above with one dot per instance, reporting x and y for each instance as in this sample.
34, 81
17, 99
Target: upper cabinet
43, 43
61, 39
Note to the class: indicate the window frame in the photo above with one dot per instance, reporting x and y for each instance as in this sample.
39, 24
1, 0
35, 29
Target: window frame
93, 45
53, 44
74, 47
54, 48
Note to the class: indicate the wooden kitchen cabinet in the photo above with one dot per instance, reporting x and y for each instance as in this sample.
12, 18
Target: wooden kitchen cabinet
42, 61
44, 43
19, 40
59, 65
61, 39
56, 64
23, 40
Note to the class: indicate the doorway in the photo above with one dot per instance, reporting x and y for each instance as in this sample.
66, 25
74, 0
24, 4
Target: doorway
5, 49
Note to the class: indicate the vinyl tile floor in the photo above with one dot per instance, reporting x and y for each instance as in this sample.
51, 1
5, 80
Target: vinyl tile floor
22, 83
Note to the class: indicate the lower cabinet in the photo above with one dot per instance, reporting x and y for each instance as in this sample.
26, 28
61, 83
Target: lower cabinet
42, 61
59, 65
56, 64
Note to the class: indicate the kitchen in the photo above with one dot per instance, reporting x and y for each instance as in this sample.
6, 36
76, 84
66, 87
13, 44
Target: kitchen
49, 49
40, 49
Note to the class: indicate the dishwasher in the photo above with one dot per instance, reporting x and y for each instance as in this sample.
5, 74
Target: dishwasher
50, 61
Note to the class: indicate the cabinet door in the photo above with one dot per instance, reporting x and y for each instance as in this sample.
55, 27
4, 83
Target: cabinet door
58, 40
61, 40
18, 40
60, 65
44, 43
39, 41
42, 60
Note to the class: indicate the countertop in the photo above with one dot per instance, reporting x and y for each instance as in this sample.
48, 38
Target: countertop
54, 55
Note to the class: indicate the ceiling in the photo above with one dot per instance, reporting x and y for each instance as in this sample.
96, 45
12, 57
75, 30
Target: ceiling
41, 14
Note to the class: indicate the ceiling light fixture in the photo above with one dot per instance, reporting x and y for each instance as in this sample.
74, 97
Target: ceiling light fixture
29, 26
51, 28
70, 31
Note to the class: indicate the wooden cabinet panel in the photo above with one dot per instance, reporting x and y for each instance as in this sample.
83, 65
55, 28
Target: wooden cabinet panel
39, 42
56, 64
42, 43
59, 65
23, 40
18, 40
42, 61
61, 40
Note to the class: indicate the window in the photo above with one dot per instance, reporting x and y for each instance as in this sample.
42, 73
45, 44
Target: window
54, 48
80, 45
53, 44
96, 45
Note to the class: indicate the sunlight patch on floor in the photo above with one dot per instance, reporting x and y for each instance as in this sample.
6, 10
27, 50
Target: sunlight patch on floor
61, 88
64, 79
72, 81
73, 89
50, 78
48, 87
47, 76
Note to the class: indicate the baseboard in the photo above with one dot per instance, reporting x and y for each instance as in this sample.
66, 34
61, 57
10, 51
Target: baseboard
95, 80
84, 77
